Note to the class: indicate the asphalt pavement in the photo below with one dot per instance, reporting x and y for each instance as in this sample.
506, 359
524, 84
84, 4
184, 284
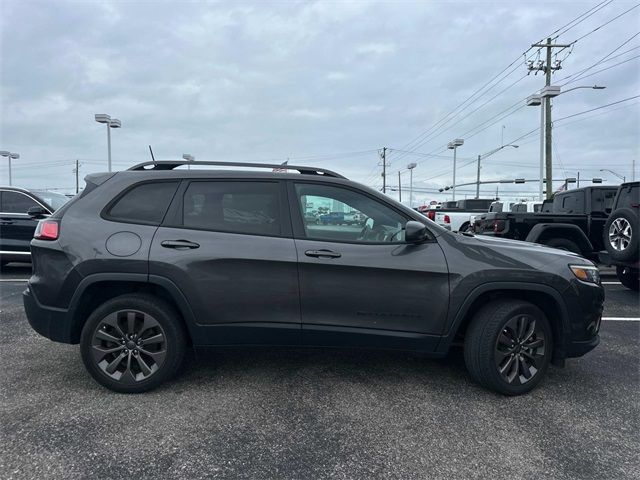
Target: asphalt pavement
317, 413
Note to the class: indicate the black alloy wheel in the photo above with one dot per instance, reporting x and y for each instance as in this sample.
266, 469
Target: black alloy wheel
133, 343
129, 346
520, 350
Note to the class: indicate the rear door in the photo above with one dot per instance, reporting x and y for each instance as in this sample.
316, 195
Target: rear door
227, 245
361, 284
16, 227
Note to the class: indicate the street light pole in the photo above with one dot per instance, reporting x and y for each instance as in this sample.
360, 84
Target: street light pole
453, 145
411, 166
544, 100
621, 177
488, 154
111, 123
10, 156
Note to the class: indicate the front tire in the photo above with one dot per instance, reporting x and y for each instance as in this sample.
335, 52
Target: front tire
629, 277
508, 346
133, 343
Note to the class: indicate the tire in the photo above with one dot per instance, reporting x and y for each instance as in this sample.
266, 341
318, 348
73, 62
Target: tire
620, 235
629, 277
488, 338
141, 363
464, 227
563, 244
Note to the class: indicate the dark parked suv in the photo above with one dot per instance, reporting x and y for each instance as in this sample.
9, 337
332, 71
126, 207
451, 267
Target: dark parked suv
149, 261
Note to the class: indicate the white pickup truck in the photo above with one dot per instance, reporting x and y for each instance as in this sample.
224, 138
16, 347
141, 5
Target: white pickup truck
459, 218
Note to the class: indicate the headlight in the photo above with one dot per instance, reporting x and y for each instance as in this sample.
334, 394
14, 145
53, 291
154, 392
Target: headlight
586, 273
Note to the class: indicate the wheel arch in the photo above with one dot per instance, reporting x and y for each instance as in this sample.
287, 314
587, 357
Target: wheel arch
544, 232
96, 289
544, 297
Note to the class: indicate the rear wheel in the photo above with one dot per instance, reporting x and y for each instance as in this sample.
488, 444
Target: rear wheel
564, 244
629, 277
508, 346
133, 343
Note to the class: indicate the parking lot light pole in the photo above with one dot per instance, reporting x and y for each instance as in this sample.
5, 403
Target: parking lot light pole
411, 166
453, 145
188, 158
111, 123
10, 156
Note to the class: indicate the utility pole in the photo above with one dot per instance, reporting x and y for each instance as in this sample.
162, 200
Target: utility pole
399, 188
77, 171
578, 182
478, 180
384, 169
548, 69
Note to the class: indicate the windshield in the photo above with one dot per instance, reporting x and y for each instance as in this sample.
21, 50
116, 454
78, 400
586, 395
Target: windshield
53, 199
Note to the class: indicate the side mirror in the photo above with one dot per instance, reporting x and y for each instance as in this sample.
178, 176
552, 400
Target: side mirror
415, 232
37, 212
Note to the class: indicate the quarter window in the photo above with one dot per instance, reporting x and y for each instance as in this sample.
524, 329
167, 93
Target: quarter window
340, 214
14, 202
145, 203
237, 207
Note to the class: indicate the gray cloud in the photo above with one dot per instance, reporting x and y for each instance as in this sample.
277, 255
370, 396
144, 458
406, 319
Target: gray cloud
272, 80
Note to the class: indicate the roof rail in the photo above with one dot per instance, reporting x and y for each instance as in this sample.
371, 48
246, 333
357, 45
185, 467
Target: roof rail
171, 164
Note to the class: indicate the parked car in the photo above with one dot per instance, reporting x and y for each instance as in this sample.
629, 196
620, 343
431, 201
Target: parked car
459, 218
575, 224
20, 211
621, 234
149, 261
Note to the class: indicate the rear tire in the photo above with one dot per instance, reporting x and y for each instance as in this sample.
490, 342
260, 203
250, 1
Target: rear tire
563, 244
508, 346
133, 343
629, 277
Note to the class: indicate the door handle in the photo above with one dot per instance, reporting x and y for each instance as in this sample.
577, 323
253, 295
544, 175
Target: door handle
322, 254
179, 244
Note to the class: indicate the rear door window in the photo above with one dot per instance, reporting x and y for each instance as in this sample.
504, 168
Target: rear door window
145, 203
233, 206
16, 202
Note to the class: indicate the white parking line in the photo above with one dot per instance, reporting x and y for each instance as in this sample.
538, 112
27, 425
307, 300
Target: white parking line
611, 283
14, 279
622, 319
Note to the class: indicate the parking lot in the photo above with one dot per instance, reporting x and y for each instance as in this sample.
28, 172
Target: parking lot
282, 413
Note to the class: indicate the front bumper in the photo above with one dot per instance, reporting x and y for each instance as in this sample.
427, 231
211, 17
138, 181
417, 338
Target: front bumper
49, 322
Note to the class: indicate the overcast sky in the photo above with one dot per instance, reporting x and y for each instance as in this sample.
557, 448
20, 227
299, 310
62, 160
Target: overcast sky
332, 81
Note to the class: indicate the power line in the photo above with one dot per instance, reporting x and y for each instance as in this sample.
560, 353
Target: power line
604, 69
577, 75
606, 23
590, 12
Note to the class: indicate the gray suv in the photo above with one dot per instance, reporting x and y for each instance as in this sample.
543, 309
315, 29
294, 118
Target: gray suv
148, 262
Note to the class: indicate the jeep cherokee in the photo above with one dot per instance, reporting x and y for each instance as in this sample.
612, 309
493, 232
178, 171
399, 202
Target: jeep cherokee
148, 262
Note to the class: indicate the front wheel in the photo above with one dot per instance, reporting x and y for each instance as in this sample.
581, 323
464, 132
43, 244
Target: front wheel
508, 346
133, 343
629, 277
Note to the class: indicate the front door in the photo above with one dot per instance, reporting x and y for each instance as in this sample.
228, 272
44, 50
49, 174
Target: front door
360, 283
227, 245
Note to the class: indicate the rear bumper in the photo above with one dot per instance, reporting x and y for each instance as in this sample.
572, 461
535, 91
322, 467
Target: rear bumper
49, 322
578, 349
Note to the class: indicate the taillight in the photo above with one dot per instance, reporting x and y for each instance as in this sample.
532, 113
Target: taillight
431, 214
498, 225
47, 230
447, 219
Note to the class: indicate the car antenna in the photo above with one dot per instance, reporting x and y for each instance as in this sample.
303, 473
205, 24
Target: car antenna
152, 157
